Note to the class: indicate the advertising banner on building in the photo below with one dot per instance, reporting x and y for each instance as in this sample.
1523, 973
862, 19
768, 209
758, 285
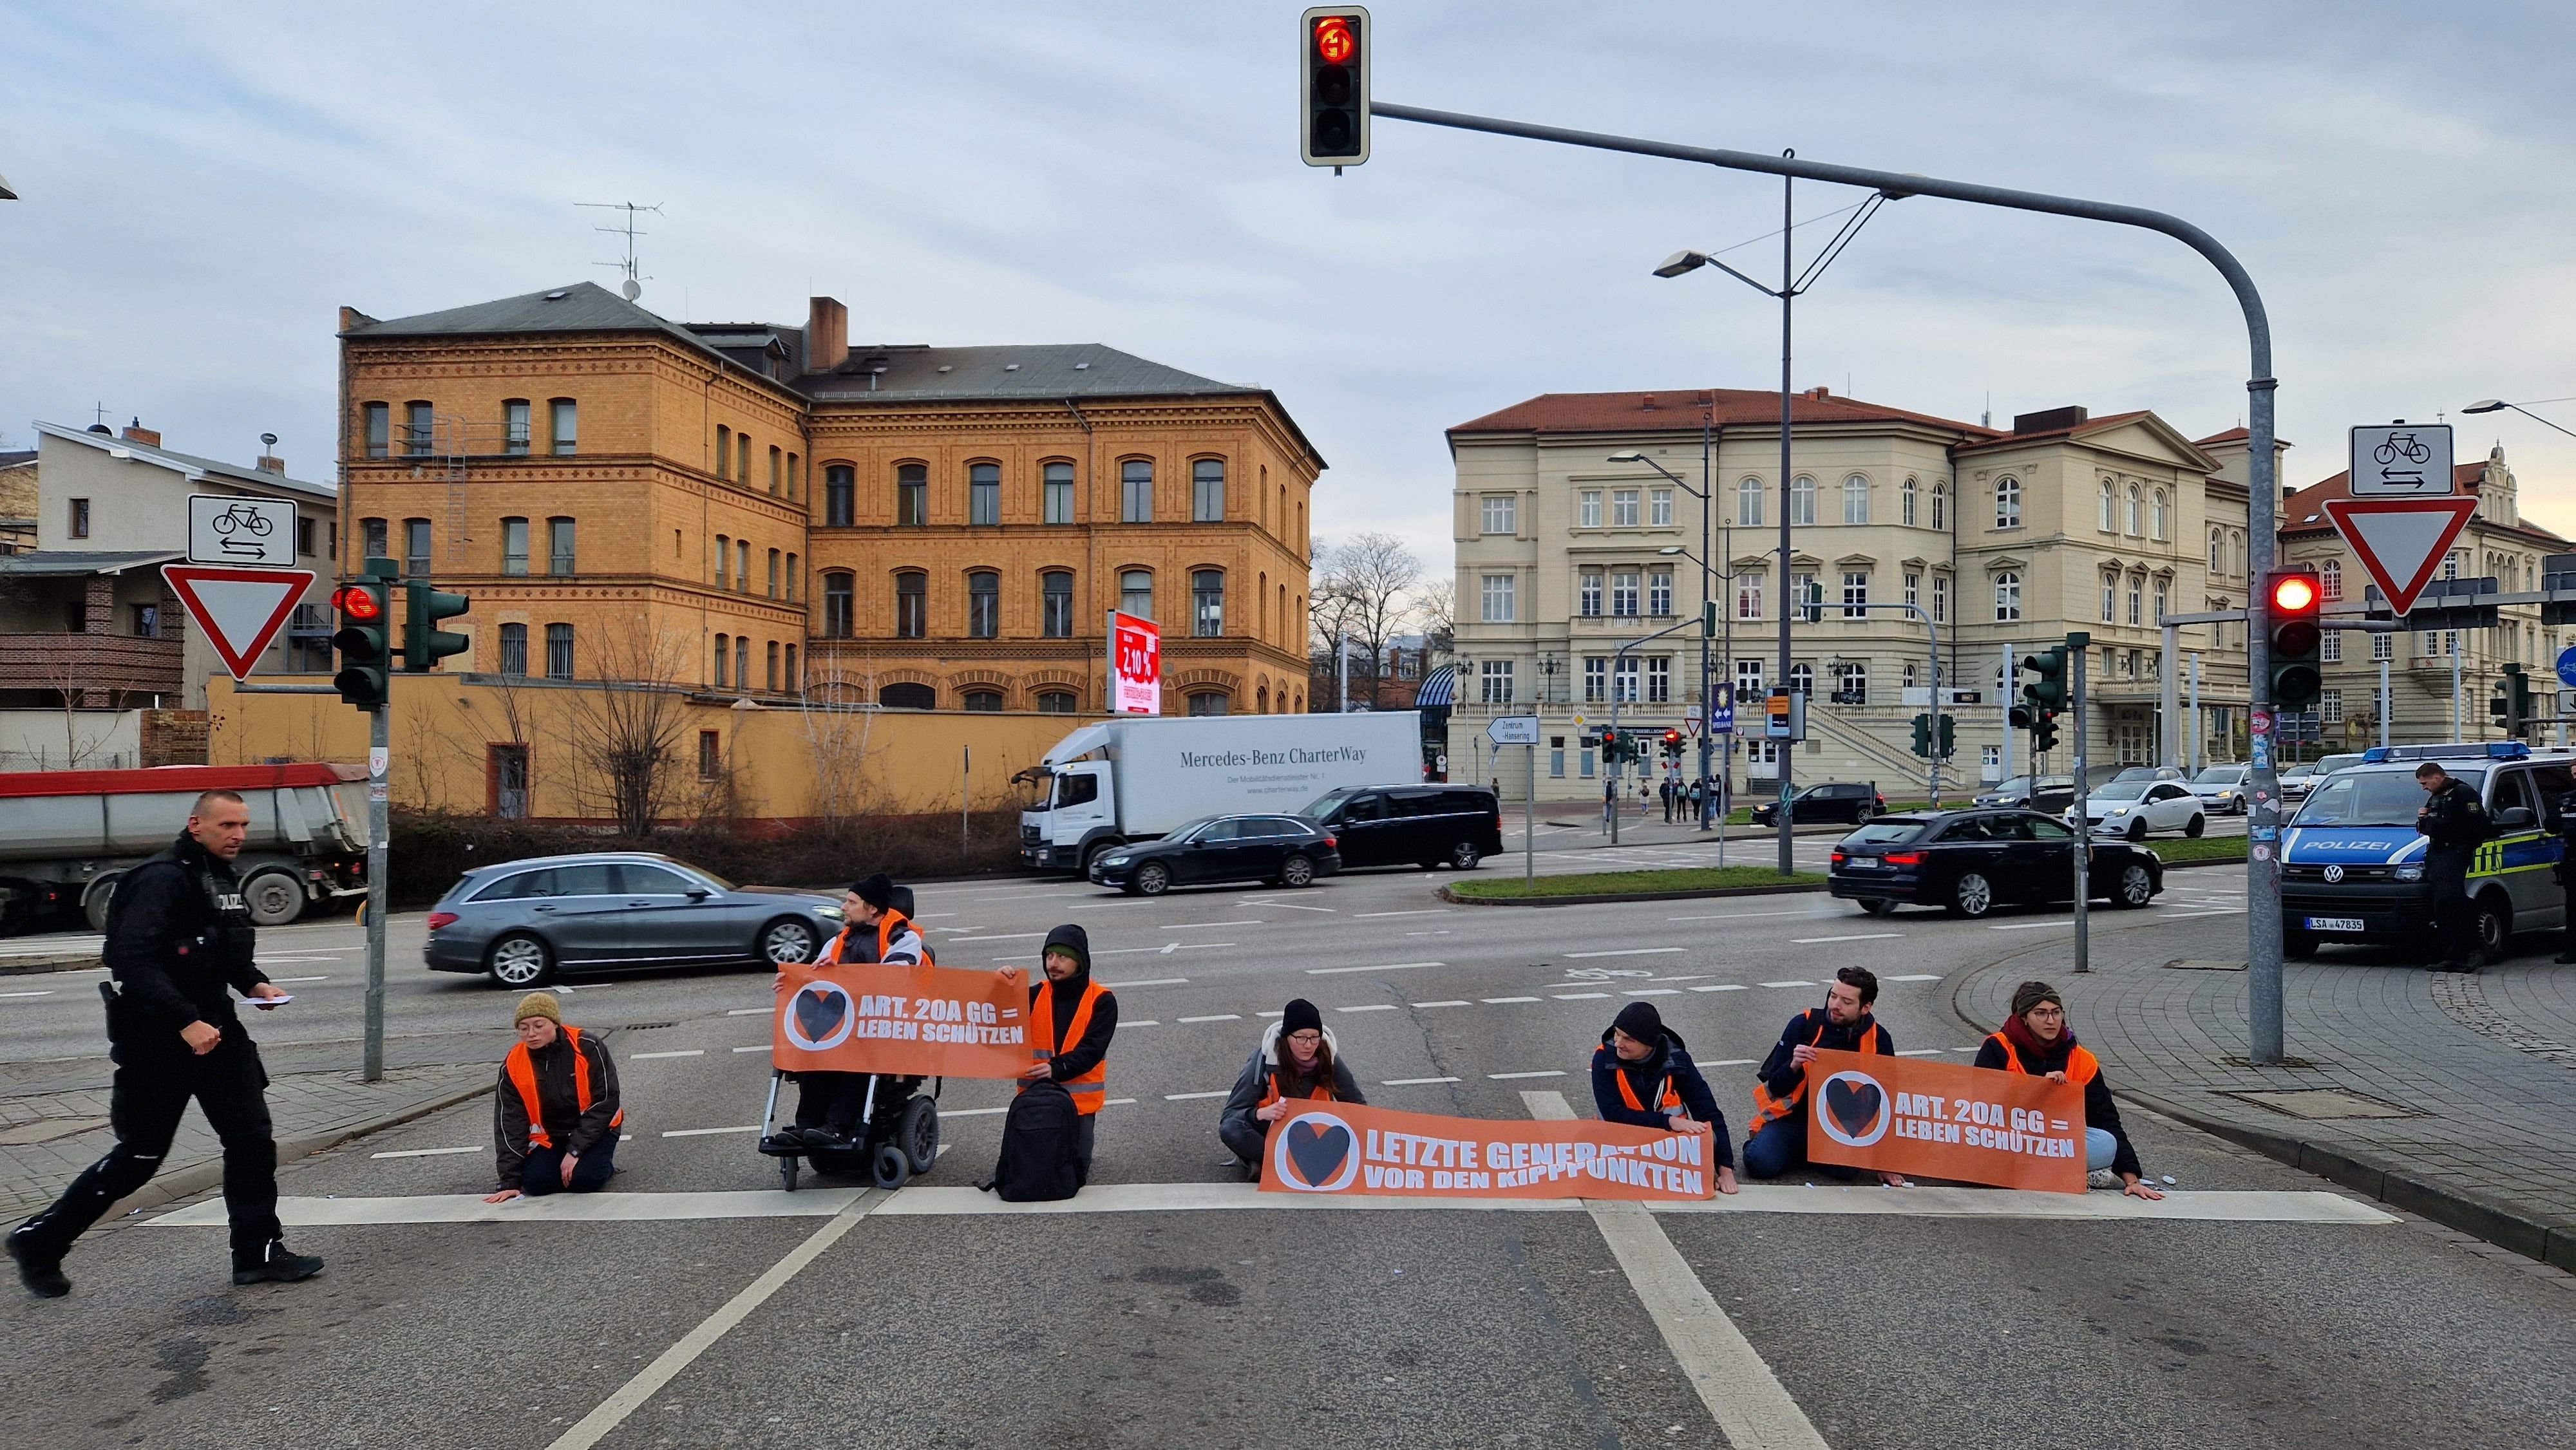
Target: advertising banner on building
910, 1021
1346, 1148
1135, 665
1930, 1119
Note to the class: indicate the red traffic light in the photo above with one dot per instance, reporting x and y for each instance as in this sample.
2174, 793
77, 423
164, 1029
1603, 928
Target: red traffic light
2294, 594
1334, 43
357, 602
1672, 737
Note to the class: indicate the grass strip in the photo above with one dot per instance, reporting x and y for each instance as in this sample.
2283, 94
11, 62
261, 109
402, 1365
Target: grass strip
2206, 848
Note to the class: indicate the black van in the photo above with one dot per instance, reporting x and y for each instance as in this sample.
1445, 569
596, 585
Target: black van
1412, 825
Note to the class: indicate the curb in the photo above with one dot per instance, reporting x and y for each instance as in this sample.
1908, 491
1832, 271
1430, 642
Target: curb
2503, 1225
62, 962
1608, 897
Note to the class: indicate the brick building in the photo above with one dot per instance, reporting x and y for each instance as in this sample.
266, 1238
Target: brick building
768, 511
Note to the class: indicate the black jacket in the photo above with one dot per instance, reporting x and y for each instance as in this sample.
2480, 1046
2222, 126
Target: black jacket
2100, 1111
1253, 1084
1083, 1056
179, 942
1782, 1074
1672, 1063
2454, 819
558, 1104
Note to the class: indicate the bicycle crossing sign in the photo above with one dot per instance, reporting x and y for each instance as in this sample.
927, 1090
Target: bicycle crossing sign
256, 533
2402, 460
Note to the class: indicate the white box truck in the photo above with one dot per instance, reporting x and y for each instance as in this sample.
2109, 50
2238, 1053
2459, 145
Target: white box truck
1135, 778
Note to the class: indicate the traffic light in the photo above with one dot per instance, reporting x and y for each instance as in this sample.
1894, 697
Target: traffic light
424, 643
365, 642
1946, 739
2047, 694
1673, 744
2511, 704
2296, 637
2043, 735
1923, 735
1333, 79
1708, 619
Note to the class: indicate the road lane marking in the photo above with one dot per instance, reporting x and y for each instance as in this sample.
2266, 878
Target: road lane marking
1389, 967
978, 1112
1200, 925
1498, 1001
1740, 915
1288, 906
1739, 1389
707, 1132
1652, 992
683, 1052
1724, 987
1216, 1017
1514, 1076
2030, 925
750, 1011
1922, 1051
1141, 1022
1788, 984
1148, 982
283, 981
425, 1152
1452, 1002
1810, 941
1372, 1007
764, 1047
1578, 996
968, 941
1915, 977
1730, 1062
1414, 1081
46, 993
1188, 1097
1425, 911
2197, 915
1631, 952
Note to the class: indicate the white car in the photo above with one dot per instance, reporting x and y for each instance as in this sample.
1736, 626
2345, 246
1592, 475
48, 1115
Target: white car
2222, 788
2135, 808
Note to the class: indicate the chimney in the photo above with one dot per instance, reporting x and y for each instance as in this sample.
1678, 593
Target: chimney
827, 334
135, 432
271, 463
1650, 402
1820, 394
2051, 420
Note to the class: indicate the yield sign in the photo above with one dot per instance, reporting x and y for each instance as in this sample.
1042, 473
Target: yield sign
239, 609
2400, 540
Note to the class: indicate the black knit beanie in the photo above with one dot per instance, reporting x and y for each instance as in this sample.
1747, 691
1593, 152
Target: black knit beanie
876, 891
1301, 1016
1641, 1021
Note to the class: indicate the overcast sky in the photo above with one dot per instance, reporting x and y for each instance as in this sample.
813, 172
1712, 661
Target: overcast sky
205, 185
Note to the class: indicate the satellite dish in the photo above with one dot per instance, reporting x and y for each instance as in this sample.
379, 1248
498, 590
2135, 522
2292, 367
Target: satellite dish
632, 288
268, 440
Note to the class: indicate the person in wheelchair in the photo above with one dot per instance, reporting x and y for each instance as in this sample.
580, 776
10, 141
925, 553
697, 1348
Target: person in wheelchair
876, 929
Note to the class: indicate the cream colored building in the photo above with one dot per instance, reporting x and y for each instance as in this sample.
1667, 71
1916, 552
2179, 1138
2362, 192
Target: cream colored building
2006, 540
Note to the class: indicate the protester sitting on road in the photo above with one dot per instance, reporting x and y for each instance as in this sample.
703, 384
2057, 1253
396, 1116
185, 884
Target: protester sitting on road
2037, 1040
828, 1104
556, 1113
1071, 1019
1272, 1083
1778, 1142
1643, 1075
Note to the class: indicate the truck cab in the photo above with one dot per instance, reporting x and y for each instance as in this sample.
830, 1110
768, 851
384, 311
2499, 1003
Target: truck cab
2352, 864
1072, 815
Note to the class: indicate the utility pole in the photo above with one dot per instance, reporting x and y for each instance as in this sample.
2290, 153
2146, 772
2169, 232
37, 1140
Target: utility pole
2079, 644
379, 830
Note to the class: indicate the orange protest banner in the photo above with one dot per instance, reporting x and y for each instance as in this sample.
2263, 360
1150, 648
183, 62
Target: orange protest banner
910, 1021
1943, 1120
1350, 1149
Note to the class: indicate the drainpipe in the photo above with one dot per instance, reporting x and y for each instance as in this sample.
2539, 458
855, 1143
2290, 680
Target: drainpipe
1091, 540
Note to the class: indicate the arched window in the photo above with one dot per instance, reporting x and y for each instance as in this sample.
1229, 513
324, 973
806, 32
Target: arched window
840, 490
2110, 588
911, 605
724, 652
983, 607
1855, 500
2137, 510
1055, 702
1208, 702
514, 650
839, 595
1136, 593
2157, 523
911, 494
564, 426
1207, 603
2137, 598
1055, 594
983, 493
1057, 486
1909, 497
2007, 502
908, 697
2007, 597
1941, 506
1748, 504
1802, 679
2164, 599
724, 556
984, 701
1207, 491
1802, 500
724, 450
2330, 580
2217, 552
2108, 517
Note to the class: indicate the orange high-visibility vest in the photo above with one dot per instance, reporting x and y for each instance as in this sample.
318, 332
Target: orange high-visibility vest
1323, 1090
1092, 1088
1672, 1097
1768, 1109
2081, 1065
523, 1076
889, 922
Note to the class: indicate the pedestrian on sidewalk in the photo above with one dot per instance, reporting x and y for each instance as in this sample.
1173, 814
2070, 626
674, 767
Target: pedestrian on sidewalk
1778, 1142
557, 1110
2036, 1040
1071, 1020
1642, 1075
179, 936
1698, 794
2454, 823
1609, 801
1310, 1068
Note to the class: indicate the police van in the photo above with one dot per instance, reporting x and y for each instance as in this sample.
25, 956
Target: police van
2352, 865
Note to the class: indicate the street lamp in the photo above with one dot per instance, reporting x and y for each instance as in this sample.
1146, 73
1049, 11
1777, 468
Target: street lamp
5, 193
1705, 494
2498, 405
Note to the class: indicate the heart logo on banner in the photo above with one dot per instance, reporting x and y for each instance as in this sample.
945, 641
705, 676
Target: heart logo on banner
1853, 1105
1318, 1152
819, 1010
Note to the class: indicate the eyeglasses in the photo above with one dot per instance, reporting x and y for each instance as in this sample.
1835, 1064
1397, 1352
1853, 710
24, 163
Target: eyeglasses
2047, 1012
1309, 1037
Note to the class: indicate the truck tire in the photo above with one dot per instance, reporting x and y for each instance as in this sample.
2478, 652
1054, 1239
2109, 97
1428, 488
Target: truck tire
94, 902
274, 896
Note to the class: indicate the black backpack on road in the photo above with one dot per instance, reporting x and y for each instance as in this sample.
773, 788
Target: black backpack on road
1038, 1164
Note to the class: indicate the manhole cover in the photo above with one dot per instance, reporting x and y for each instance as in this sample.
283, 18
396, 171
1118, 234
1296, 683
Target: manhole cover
2325, 1103
46, 1130
2187, 964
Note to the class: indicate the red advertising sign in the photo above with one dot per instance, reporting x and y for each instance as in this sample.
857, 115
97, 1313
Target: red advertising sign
1135, 665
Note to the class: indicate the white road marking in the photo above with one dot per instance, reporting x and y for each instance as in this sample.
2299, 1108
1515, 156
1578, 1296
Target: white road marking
1166, 950
685, 1052
1148, 982
1414, 1081
1425, 911
1216, 1017
1631, 952
2196, 915
1498, 1001
1513, 1076
1578, 996
26, 994
764, 1047
1788, 984
1452, 1002
1809, 941
1921, 1052
2031, 925
968, 941
1141, 1022
1730, 1062
1652, 992
707, 1132
1739, 915
750, 1012
1198, 925
1187, 1097
284, 981
1723, 987
1372, 1007
1389, 967
425, 1152
1288, 906
1119, 1103
1915, 977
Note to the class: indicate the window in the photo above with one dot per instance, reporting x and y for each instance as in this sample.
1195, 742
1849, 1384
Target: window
566, 432
416, 547
908, 697
773, 573
1623, 593
1941, 506
1659, 680
1055, 702
1851, 682
1596, 679
911, 605
1623, 679
1058, 488
304, 535
2330, 705
417, 428
559, 546
1659, 593
2156, 517
2330, 580
989, 702
509, 774
1748, 680
1556, 757
147, 620
2330, 648
2007, 503
1659, 507
1914, 589
514, 546
1802, 680
2007, 597
1855, 500
710, 766
1806, 593
1055, 591
1136, 593
80, 518
911, 495
558, 651
1802, 501
1748, 596
839, 606
1208, 702
724, 560
2108, 517
2383, 646
2110, 589
1748, 504
1906, 495
1207, 493
1940, 599
1500, 598
1587, 509
1136, 491
1501, 511
2163, 591
1909, 676
1207, 603
777, 461
742, 459
378, 423
742, 662
2217, 552
724, 654
514, 650
2137, 598
1623, 508
983, 605
795, 482
2137, 510
795, 682
1855, 595
983, 493
372, 533
840, 492
724, 450
1495, 676
1587, 593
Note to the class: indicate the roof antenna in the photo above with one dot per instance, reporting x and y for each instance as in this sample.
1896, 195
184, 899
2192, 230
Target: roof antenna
633, 286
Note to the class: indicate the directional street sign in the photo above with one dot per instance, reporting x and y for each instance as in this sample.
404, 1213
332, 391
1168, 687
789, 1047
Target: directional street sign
2400, 540
1721, 710
2402, 460
1513, 730
240, 610
229, 529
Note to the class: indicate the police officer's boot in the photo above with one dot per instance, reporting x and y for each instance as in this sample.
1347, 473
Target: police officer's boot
40, 1268
274, 1264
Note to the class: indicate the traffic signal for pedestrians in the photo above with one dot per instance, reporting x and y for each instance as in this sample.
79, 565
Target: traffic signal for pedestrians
424, 643
2043, 735
1923, 735
1673, 744
365, 642
1333, 80
2297, 637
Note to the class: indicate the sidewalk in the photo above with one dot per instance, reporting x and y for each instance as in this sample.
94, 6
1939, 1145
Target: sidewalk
2450, 1096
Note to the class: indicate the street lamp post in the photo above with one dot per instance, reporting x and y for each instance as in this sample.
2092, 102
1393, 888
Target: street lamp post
2498, 405
1707, 577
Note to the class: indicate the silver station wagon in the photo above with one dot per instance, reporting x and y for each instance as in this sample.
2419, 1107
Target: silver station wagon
522, 922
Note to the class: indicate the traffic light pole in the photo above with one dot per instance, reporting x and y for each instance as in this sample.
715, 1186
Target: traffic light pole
1618, 696
2078, 645
379, 739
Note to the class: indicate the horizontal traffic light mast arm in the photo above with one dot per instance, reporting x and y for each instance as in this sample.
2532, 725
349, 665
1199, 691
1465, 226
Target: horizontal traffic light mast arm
246, 688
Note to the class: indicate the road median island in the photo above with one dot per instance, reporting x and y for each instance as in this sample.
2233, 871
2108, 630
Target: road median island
1592, 888
2200, 851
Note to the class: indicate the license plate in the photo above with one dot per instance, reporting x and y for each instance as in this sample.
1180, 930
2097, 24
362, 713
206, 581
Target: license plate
1862, 863
2334, 923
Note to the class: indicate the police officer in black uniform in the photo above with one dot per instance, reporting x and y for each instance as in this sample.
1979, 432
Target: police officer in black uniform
2454, 823
2564, 822
178, 936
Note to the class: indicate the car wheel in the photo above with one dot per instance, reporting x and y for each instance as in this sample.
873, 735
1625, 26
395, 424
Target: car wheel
2135, 888
1297, 871
1464, 856
2138, 829
1094, 853
2494, 927
1973, 895
1151, 879
2298, 946
519, 961
787, 941
1878, 908
2199, 823
918, 1133
275, 897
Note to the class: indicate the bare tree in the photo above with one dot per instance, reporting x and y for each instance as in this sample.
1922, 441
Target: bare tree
1435, 611
836, 737
623, 730
1362, 591
66, 673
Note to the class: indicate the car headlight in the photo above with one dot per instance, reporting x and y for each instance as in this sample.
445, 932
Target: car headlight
2410, 873
2119, 810
1113, 860
833, 912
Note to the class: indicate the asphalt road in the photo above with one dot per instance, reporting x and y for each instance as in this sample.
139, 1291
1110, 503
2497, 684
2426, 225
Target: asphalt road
926, 1319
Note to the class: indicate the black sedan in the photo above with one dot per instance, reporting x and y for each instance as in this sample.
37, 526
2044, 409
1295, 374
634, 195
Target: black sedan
1277, 850
1971, 862
1835, 800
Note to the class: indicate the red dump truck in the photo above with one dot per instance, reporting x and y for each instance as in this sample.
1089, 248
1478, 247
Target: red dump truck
67, 835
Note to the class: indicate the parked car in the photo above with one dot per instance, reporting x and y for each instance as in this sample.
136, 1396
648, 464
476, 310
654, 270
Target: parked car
2328, 765
2222, 788
2137, 808
523, 922
2297, 781
1970, 862
1833, 801
1280, 850
2050, 793
2147, 772
1415, 825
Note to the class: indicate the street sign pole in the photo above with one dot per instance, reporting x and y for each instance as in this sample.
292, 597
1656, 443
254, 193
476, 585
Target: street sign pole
379, 738
2078, 644
1529, 820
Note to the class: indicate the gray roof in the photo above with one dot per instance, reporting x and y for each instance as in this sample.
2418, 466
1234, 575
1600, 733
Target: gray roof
913, 373
15, 459
191, 464
581, 307
80, 563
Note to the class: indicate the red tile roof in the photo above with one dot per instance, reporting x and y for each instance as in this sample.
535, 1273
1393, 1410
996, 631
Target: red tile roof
2304, 511
2232, 435
1685, 407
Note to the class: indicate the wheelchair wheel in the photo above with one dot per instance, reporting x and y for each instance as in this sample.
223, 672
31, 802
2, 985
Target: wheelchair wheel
890, 1170
918, 1134
787, 1172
